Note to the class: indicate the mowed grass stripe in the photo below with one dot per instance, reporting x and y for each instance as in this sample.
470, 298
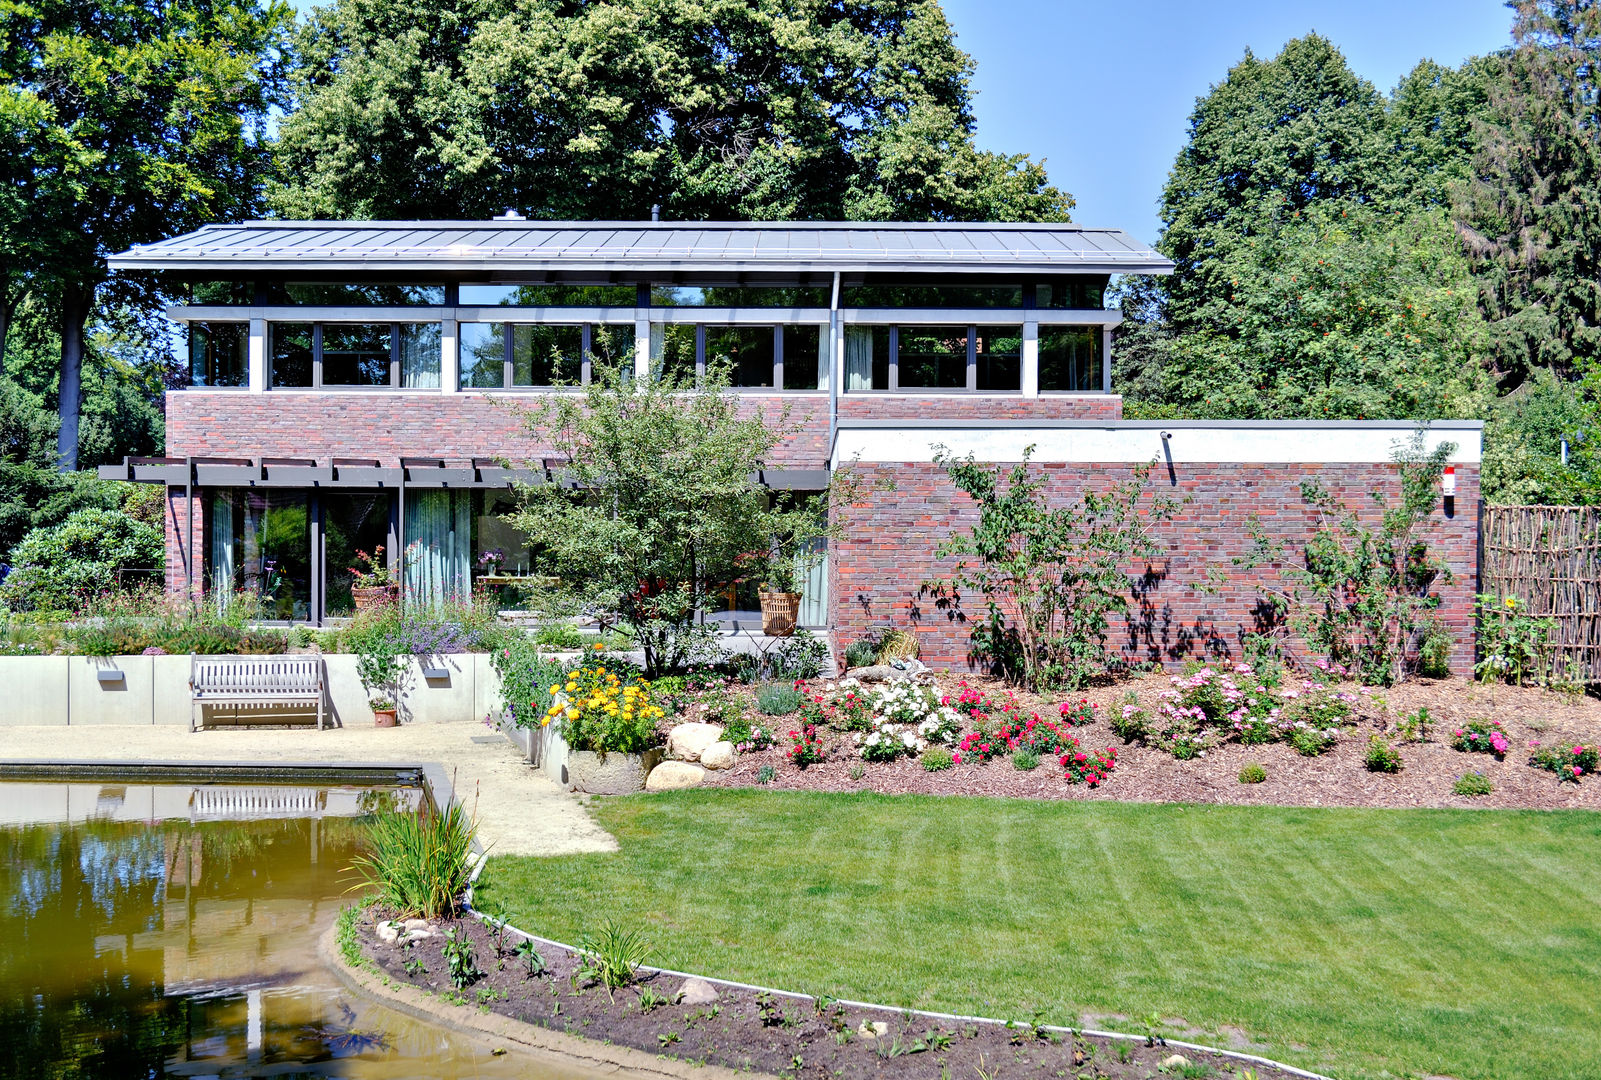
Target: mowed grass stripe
1462, 943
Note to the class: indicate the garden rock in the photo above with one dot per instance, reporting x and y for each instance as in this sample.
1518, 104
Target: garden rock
388, 932
609, 774
1175, 1061
687, 742
697, 992
876, 1029
719, 755
900, 669
672, 775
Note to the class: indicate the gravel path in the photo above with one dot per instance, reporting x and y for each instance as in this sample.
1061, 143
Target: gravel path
519, 812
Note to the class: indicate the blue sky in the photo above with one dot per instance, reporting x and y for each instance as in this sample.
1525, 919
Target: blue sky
1103, 90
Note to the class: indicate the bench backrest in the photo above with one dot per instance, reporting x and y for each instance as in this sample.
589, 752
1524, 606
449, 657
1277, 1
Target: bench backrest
263, 676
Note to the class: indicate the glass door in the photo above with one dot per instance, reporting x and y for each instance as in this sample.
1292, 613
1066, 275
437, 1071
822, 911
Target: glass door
352, 521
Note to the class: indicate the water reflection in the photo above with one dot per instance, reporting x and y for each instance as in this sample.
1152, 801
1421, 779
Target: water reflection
149, 931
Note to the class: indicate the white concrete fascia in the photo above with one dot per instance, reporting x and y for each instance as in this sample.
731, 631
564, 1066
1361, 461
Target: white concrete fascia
1117, 443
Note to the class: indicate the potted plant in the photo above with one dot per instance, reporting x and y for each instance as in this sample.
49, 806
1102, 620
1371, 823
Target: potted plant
374, 583
609, 725
381, 666
780, 597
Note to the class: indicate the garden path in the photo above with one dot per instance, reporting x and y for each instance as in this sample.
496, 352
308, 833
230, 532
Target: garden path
519, 811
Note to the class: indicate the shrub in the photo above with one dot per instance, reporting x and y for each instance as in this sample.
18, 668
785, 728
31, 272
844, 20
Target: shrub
1077, 714
861, 653
746, 736
897, 645
1381, 756
611, 955
905, 704
1570, 763
844, 709
68, 566
936, 758
562, 636
886, 741
800, 656
1434, 651
1414, 727
1130, 722
1472, 783
526, 679
1515, 646
461, 959
805, 747
1026, 760
766, 774
1089, 767
1253, 773
778, 699
420, 861
1482, 737
1311, 741
1052, 576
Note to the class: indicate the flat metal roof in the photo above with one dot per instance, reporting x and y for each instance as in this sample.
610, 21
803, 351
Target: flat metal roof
649, 246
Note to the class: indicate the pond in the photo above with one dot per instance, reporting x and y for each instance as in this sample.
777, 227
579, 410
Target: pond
171, 930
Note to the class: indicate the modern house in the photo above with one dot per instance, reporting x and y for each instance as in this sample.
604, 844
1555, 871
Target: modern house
349, 383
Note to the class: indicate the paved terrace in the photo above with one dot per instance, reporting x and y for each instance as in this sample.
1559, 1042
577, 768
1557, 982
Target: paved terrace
519, 812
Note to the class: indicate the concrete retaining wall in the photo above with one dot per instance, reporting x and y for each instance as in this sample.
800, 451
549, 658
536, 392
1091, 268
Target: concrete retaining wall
67, 690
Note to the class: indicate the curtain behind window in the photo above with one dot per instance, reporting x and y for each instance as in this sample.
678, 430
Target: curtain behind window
858, 358
419, 355
438, 547
220, 547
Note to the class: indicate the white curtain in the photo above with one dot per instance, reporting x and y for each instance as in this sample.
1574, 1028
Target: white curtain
814, 590
419, 355
858, 358
220, 547
438, 555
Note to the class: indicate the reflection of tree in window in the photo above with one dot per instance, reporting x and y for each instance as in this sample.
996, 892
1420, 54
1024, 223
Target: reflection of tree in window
544, 355
218, 353
801, 350
352, 521
746, 350
612, 345
672, 350
933, 357
483, 355
291, 354
355, 354
998, 352
1070, 358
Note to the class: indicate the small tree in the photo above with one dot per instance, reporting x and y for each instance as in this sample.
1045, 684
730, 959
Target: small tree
1360, 594
1051, 577
70, 566
655, 513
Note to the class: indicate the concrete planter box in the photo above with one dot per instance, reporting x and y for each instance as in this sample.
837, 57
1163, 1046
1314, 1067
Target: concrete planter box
613, 774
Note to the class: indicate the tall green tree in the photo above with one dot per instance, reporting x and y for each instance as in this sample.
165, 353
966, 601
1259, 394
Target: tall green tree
733, 109
124, 123
1532, 209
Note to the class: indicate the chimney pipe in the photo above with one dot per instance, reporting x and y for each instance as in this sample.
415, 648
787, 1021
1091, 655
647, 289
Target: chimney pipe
655, 211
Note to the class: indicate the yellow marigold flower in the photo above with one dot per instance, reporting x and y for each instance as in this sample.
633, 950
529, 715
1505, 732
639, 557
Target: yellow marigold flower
555, 689
628, 714
572, 714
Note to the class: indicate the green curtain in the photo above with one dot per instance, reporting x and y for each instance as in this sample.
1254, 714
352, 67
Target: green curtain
220, 547
439, 538
858, 358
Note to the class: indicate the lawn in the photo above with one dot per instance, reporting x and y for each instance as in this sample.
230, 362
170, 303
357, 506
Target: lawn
1363, 943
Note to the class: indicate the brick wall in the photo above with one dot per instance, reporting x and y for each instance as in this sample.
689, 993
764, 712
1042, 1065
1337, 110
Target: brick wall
879, 571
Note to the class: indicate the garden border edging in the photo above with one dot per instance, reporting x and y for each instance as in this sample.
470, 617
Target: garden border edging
1235, 1055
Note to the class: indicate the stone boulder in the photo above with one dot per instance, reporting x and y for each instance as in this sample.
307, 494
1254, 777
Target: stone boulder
672, 775
687, 742
719, 755
697, 992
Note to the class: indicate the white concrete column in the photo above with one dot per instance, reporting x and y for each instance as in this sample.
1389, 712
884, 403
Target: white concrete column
642, 348
1031, 358
258, 355
835, 368
449, 357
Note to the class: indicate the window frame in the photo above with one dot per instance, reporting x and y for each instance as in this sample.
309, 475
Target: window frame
777, 329
971, 385
508, 363
395, 374
188, 358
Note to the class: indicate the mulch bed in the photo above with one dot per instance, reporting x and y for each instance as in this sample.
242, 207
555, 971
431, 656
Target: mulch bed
765, 1034
1336, 778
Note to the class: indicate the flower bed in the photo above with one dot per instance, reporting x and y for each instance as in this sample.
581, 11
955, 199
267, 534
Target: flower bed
467, 963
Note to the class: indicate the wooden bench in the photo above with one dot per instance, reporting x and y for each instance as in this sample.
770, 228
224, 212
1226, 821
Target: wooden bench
258, 682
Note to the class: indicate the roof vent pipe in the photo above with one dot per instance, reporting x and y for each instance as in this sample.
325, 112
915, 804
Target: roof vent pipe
655, 211
510, 215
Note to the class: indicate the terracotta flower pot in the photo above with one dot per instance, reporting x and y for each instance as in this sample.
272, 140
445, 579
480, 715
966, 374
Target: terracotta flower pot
780, 611
368, 597
385, 718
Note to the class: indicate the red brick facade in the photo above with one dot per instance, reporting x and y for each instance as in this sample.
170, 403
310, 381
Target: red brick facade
878, 574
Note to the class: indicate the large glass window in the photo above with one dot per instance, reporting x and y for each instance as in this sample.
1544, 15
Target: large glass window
998, 358
746, 351
293, 349
221, 292
738, 296
352, 521
932, 296
483, 355
1070, 359
335, 292
314, 355
1085, 291
549, 295
803, 357
933, 357
259, 543
673, 350
544, 355
219, 354
356, 354
612, 344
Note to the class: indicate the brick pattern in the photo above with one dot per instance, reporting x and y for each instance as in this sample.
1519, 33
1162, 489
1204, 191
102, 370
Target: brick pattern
178, 552
879, 572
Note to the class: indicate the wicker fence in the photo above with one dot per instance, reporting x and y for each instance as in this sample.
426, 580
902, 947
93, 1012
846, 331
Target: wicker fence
1549, 557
